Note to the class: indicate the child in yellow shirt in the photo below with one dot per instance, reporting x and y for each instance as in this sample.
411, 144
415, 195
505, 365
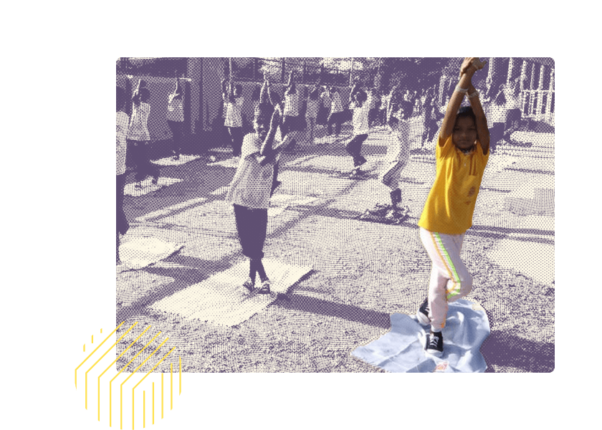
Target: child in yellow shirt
462, 154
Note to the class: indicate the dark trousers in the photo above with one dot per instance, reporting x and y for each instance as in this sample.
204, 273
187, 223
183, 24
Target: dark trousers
122, 222
372, 116
236, 137
354, 148
141, 156
334, 119
177, 130
252, 227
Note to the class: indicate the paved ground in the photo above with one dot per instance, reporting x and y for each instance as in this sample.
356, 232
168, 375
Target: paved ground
362, 272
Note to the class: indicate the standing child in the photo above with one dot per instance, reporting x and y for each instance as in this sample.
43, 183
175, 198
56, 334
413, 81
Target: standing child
462, 153
336, 113
175, 118
122, 129
234, 100
360, 103
313, 105
324, 111
292, 120
398, 154
139, 137
251, 187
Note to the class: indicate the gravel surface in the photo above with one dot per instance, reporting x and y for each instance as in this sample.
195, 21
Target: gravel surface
362, 272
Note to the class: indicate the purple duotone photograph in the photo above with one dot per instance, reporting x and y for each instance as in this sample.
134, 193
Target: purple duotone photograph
337, 215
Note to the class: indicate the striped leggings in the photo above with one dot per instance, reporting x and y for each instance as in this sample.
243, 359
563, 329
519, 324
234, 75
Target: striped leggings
450, 279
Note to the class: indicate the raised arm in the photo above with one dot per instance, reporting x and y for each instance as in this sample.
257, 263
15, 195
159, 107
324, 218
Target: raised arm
136, 93
264, 96
354, 89
477, 108
469, 66
290, 86
267, 152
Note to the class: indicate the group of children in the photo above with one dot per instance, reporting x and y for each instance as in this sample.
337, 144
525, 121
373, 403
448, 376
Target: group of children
133, 133
462, 153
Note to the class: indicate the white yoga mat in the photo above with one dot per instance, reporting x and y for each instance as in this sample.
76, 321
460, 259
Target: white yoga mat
148, 186
220, 191
140, 252
169, 161
222, 300
402, 348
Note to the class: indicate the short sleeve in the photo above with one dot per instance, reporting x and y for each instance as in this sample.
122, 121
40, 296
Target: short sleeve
481, 154
446, 149
249, 146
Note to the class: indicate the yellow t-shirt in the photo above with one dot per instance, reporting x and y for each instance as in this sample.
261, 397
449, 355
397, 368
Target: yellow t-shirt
450, 204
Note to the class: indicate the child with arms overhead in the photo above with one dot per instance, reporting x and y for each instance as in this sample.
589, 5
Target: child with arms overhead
122, 129
139, 137
462, 153
360, 104
175, 118
233, 98
398, 155
251, 187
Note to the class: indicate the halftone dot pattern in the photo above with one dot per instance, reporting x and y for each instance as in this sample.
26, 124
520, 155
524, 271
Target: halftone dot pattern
362, 271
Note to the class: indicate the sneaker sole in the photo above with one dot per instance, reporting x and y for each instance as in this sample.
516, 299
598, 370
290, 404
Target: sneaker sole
435, 352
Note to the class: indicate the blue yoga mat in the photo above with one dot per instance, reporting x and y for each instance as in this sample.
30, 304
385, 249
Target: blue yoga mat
402, 348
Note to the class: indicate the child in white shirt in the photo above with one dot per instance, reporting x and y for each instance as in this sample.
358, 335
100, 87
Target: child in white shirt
139, 137
360, 103
175, 118
251, 187
313, 105
122, 129
234, 101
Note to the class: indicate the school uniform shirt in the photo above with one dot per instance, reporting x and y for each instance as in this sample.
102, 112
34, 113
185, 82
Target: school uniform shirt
337, 105
291, 104
138, 129
312, 108
399, 146
234, 112
450, 204
360, 117
175, 110
122, 128
252, 182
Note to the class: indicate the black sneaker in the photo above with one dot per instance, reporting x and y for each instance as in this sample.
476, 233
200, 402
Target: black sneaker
434, 343
423, 313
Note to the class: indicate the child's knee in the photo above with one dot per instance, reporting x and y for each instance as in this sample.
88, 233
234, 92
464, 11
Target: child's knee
457, 290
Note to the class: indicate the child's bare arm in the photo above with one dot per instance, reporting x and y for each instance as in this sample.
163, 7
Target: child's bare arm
136, 93
477, 108
264, 96
456, 99
289, 84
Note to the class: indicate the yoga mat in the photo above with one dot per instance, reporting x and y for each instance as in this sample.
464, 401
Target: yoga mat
148, 186
168, 161
140, 252
223, 300
402, 348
